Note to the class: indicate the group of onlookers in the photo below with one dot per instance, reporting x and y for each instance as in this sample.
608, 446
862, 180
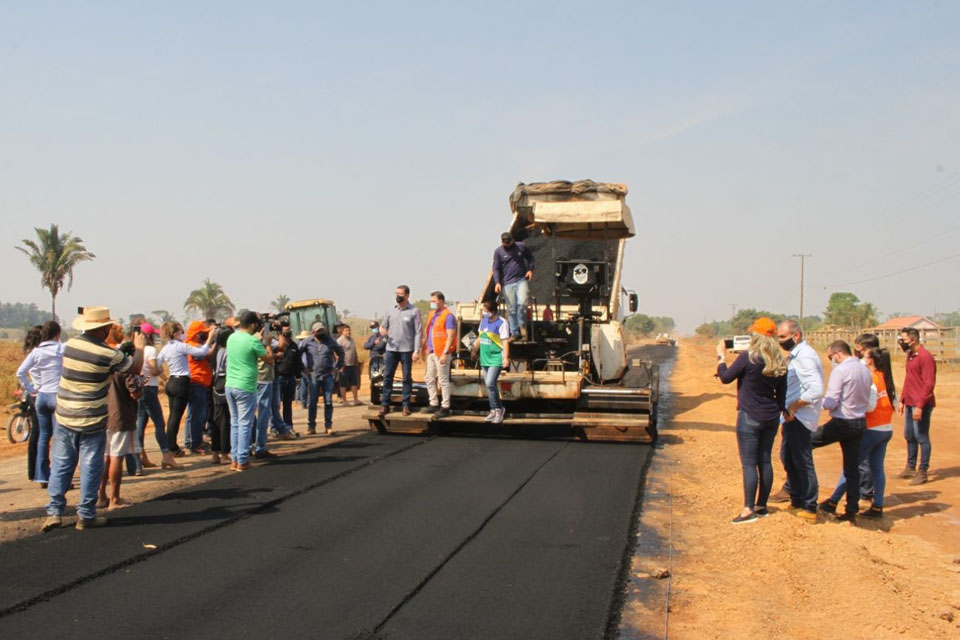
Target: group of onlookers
780, 386
228, 384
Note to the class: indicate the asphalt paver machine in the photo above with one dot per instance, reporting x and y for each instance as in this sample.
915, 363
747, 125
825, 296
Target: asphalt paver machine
569, 374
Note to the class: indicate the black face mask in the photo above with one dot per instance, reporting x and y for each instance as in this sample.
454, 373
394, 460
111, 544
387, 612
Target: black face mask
788, 344
400, 299
858, 353
904, 345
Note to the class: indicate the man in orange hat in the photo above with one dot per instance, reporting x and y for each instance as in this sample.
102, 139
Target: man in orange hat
80, 433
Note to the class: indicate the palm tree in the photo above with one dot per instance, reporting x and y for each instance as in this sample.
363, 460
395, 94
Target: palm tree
209, 301
55, 255
280, 302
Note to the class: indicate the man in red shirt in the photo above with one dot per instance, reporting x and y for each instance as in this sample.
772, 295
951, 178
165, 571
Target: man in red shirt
916, 404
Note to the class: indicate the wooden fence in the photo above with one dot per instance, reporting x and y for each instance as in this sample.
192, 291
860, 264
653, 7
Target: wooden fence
943, 343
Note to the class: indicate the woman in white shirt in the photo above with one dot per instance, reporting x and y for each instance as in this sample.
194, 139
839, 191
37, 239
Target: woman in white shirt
174, 354
44, 363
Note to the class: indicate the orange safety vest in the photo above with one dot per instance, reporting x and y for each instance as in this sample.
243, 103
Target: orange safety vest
441, 335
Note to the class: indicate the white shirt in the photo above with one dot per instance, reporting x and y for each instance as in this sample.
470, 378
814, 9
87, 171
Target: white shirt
150, 380
175, 355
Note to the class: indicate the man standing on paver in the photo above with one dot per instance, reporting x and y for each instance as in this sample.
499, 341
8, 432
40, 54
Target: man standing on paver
403, 328
245, 348
512, 273
916, 404
81, 415
441, 344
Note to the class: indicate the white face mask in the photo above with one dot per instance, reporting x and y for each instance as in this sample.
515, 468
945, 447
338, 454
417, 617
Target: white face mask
433, 305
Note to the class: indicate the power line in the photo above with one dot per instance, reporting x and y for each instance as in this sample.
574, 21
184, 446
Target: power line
895, 273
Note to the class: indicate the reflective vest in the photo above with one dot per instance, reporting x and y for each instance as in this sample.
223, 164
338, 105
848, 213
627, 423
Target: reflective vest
440, 331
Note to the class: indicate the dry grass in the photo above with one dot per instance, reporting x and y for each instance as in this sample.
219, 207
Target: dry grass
11, 355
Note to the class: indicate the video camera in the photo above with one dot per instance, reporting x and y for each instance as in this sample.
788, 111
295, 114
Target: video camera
276, 321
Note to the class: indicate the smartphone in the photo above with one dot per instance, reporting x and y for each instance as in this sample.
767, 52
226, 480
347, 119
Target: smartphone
728, 343
136, 328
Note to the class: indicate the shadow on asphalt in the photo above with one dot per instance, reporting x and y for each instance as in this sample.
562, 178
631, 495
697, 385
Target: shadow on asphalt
315, 459
203, 494
187, 517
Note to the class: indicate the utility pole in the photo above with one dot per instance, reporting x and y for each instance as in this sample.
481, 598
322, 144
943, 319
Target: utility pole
803, 257
733, 309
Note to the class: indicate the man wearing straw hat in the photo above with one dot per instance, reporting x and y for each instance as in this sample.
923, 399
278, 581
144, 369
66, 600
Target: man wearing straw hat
80, 434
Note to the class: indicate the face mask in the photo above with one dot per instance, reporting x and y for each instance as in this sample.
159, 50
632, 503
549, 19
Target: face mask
486, 314
858, 353
178, 336
433, 305
904, 345
788, 344
400, 299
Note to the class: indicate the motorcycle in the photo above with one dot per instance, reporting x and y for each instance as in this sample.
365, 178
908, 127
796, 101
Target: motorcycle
22, 422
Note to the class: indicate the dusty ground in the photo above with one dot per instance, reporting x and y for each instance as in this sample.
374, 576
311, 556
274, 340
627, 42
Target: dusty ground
781, 577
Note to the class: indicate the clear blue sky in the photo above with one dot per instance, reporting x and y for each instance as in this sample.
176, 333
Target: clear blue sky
336, 149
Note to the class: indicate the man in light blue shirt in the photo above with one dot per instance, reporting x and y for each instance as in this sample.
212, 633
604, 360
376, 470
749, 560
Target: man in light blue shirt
804, 401
403, 329
847, 400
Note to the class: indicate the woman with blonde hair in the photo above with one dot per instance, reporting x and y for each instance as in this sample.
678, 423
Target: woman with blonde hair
761, 375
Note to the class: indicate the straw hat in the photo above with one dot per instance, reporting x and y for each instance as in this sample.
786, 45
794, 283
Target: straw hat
303, 335
93, 318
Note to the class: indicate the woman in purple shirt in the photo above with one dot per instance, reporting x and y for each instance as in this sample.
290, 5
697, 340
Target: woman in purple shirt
761, 375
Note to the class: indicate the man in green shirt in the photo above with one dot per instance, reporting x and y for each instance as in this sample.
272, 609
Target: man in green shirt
245, 347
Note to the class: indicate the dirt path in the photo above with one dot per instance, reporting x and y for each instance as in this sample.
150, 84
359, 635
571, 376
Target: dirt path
781, 577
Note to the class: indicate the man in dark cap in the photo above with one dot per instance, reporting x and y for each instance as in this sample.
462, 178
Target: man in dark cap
512, 273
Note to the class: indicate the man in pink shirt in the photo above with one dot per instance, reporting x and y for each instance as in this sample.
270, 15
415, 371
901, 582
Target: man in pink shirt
916, 404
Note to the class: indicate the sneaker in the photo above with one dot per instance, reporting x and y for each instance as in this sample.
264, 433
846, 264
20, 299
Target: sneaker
286, 436
311, 432
874, 513
751, 517
498, 419
907, 472
491, 416
780, 496
443, 412
761, 512
920, 478
432, 409
807, 516
848, 517
91, 523
263, 455
52, 522
828, 506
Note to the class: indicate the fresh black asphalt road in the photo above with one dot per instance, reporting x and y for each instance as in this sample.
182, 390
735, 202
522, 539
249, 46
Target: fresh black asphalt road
374, 537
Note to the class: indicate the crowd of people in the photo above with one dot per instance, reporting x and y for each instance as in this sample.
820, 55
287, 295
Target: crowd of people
228, 385
781, 387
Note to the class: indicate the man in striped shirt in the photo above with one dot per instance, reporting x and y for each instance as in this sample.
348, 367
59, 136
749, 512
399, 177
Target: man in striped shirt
80, 434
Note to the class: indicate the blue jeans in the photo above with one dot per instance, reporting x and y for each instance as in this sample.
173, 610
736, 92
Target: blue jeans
515, 294
918, 436
755, 442
264, 414
276, 419
196, 415
801, 473
303, 391
873, 449
243, 406
490, 375
70, 447
325, 384
46, 421
149, 406
391, 360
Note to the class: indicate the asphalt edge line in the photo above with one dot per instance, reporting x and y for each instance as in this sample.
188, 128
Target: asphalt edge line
413, 593
140, 557
618, 597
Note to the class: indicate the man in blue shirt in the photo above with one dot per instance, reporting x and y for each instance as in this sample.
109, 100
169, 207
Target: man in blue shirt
847, 399
403, 329
804, 399
512, 273
323, 357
